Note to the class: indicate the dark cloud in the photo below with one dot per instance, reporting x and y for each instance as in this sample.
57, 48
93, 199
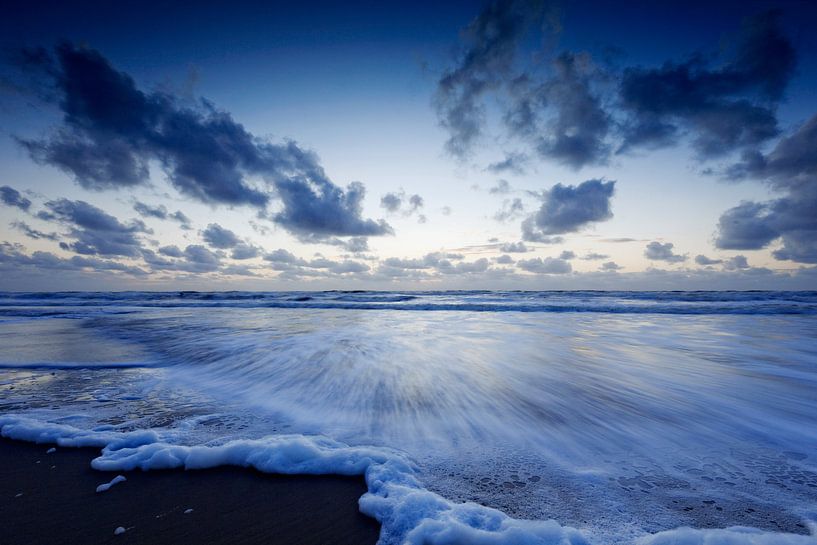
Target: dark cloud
548, 265
148, 211
791, 164
93, 231
574, 110
11, 197
747, 226
737, 263
218, 237
200, 259
160, 212
791, 169
704, 261
657, 251
567, 209
183, 220
223, 239
112, 130
171, 251
319, 207
563, 117
30, 232
513, 163
489, 49
723, 108
559, 113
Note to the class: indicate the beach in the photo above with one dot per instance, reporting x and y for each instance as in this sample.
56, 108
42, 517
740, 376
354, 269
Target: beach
51, 498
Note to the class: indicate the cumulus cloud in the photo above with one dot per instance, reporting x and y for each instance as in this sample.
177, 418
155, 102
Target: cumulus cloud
513, 247
286, 261
93, 231
112, 130
171, 251
657, 251
160, 212
218, 237
11, 197
593, 256
13, 259
791, 169
548, 265
567, 209
724, 108
704, 261
319, 207
504, 259
610, 266
567, 255
201, 259
244, 250
428, 261
221, 238
737, 263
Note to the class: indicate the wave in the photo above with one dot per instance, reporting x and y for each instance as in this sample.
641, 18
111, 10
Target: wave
407, 512
612, 302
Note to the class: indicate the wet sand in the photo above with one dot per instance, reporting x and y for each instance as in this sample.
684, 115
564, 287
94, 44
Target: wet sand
52, 499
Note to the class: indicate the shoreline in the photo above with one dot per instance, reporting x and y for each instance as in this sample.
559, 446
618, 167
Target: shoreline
51, 498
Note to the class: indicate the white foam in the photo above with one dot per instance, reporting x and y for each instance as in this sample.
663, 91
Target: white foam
116, 480
409, 514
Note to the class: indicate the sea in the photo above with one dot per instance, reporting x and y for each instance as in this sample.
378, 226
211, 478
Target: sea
552, 417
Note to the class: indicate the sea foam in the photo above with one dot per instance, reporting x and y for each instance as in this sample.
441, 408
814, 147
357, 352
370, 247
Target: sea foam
407, 512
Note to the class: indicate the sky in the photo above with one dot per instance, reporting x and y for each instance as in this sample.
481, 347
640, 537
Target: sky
408, 145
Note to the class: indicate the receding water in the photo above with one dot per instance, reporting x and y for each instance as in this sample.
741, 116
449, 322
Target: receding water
617, 413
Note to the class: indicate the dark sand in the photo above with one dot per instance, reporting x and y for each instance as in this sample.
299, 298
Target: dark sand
59, 504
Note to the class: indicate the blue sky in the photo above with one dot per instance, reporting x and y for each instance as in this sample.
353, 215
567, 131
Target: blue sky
514, 145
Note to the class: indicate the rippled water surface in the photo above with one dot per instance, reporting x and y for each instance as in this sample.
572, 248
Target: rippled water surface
618, 413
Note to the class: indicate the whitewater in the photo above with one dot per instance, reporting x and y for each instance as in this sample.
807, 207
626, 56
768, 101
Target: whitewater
475, 417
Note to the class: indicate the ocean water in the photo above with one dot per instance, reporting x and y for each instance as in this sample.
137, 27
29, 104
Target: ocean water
621, 417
